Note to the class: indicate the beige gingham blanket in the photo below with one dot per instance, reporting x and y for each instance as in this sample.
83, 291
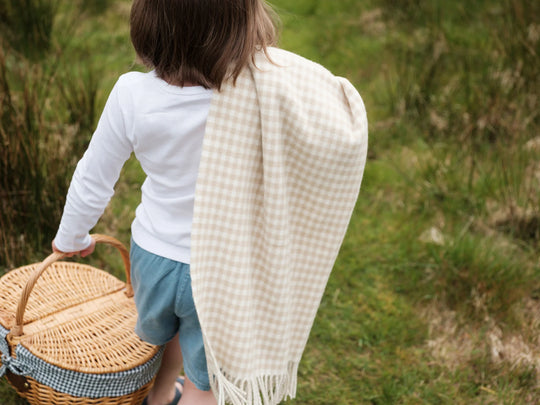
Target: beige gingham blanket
282, 162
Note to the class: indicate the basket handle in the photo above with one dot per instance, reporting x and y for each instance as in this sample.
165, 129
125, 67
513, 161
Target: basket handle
17, 330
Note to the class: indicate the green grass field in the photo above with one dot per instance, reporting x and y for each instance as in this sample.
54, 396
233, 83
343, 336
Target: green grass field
435, 296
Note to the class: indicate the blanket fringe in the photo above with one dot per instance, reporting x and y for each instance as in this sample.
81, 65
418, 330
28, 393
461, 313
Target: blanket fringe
259, 390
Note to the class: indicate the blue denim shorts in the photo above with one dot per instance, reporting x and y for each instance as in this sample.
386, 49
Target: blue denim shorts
165, 307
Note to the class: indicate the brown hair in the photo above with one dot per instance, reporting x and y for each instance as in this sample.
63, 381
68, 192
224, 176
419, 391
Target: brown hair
200, 41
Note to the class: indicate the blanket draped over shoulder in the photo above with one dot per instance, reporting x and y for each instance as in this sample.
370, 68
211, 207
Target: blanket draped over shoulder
282, 162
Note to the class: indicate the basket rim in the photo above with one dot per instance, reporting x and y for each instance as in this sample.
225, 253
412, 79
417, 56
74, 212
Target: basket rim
17, 330
77, 383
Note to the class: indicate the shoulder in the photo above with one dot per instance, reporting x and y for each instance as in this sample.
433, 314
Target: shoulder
283, 61
290, 73
134, 79
132, 87
304, 85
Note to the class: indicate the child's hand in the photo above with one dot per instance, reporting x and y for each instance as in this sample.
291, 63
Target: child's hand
83, 253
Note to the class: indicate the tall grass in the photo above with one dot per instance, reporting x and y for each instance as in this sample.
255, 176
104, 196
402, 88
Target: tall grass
454, 79
27, 25
47, 113
467, 84
95, 7
21, 174
465, 89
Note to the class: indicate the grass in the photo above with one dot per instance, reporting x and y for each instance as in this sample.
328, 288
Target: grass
434, 298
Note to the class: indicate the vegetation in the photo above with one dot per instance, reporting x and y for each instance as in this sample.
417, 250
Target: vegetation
48, 110
435, 297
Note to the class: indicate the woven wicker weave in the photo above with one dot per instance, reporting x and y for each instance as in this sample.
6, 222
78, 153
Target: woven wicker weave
76, 319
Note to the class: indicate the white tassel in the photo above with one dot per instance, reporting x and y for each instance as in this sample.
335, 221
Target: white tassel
259, 390
227, 390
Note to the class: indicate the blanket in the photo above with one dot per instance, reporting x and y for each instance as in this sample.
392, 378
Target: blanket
282, 162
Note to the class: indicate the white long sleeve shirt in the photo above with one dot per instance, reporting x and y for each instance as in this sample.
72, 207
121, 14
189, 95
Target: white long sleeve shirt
164, 126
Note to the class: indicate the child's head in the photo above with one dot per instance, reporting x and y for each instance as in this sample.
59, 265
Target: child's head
200, 41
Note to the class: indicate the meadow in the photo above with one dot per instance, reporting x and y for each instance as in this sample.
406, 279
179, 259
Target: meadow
435, 296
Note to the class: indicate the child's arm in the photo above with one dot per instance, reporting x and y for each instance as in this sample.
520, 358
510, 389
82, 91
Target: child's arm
93, 182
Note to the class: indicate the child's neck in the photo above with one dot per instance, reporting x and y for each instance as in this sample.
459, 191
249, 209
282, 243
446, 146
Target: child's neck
186, 83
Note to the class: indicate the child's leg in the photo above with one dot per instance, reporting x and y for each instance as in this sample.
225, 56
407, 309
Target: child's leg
163, 390
165, 385
194, 396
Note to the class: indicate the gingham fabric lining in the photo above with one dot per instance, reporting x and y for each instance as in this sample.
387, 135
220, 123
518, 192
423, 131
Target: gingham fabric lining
282, 162
75, 383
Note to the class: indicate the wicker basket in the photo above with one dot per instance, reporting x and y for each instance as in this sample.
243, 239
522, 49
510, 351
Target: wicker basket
66, 334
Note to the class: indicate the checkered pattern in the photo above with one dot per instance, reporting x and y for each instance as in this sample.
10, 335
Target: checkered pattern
75, 383
282, 162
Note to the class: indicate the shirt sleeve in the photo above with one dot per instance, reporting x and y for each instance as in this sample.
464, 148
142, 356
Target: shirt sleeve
92, 185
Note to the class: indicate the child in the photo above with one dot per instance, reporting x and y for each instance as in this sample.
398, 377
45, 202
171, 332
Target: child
227, 275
